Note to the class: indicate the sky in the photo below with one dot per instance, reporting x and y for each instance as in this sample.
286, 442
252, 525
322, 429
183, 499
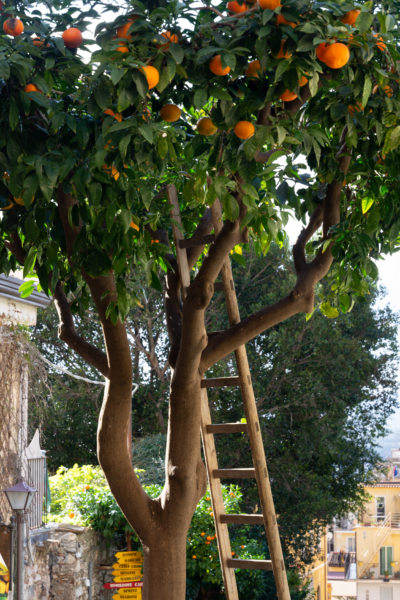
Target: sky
389, 270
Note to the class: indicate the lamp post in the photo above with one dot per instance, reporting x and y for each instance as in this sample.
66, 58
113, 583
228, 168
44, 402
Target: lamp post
20, 497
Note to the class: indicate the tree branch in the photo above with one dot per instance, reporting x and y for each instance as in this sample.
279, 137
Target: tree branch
67, 332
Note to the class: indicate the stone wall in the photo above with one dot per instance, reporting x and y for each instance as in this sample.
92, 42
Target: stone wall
65, 562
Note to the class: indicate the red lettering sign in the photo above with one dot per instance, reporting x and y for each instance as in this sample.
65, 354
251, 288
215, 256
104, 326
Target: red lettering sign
126, 584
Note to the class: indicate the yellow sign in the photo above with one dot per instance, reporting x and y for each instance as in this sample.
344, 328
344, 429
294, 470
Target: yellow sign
4, 579
130, 554
135, 594
130, 561
121, 577
127, 566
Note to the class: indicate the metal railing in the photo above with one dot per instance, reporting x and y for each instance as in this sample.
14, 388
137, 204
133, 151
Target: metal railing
376, 542
392, 520
37, 475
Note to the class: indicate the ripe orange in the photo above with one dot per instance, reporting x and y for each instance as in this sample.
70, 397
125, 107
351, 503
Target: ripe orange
215, 66
235, 7
122, 32
280, 20
288, 96
380, 43
171, 38
303, 81
283, 53
253, 69
122, 48
244, 130
134, 226
353, 108
350, 17
205, 126
116, 116
170, 112
31, 87
388, 91
38, 42
271, 4
320, 50
336, 55
10, 205
13, 26
72, 37
112, 171
152, 76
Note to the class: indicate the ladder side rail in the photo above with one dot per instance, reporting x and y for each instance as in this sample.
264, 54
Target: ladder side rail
217, 502
254, 430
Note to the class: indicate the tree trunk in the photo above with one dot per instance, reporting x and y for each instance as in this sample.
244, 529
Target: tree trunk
164, 566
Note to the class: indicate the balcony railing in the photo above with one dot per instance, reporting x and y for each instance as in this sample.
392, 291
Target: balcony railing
391, 520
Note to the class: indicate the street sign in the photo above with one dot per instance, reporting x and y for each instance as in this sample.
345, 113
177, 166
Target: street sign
122, 577
128, 594
118, 586
129, 561
130, 554
130, 565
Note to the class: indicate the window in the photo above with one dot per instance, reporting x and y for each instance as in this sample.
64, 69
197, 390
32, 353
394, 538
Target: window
351, 544
385, 558
380, 508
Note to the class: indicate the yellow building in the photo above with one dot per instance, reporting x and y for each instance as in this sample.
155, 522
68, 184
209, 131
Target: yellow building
363, 553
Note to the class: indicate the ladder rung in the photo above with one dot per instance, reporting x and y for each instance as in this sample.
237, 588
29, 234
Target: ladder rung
239, 563
233, 473
197, 241
220, 382
227, 428
242, 519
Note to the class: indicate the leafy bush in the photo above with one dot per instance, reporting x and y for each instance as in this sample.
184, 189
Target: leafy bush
81, 495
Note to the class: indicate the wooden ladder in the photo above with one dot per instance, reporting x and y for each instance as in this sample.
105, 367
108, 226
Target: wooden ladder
251, 427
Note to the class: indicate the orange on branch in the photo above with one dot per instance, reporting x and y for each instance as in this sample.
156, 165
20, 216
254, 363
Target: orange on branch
215, 66
353, 108
134, 226
38, 42
388, 91
13, 26
205, 126
31, 87
170, 112
320, 50
380, 43
288, 96
280, 20
235, 7
336, 55
350, 17
152, 75
282, 53
122, 48
116, 116
253, 69
270, 4
244, 130
171, 38
303, 81
122, 32
72, 37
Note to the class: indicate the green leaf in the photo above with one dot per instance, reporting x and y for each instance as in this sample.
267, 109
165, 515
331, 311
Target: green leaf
328, 310
364, 21
117, 74
26, 288
177, 52
13, 115
392, 140
4, 69
147, 132
123, 145
281, 131
125, 98
102, 96
313, 84
366, 90
140, 82
200, 98
162, 146
30, 261
366, 204
231, 207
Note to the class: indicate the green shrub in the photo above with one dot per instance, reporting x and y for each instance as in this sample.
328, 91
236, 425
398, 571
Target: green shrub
81, 495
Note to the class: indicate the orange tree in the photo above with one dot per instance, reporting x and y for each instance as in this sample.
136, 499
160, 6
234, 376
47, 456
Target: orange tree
89, 156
